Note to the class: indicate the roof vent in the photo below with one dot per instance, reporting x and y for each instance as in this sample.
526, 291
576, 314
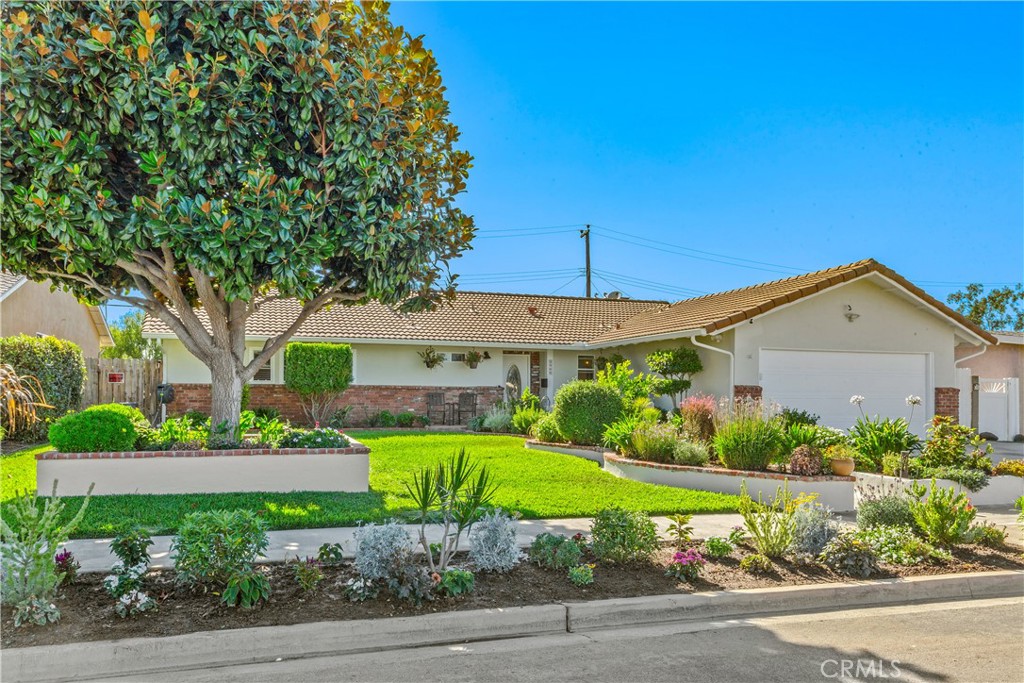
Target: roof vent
534, 312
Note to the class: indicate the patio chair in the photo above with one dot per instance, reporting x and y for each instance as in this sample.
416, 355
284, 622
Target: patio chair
467, 406
435, 407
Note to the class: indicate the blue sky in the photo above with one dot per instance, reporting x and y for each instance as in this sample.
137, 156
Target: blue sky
795, 135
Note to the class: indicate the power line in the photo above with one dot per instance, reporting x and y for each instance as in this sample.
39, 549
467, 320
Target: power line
659, 285
566, 285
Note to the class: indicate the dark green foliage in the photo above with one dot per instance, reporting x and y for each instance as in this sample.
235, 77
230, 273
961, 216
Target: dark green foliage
216, 546
554, 551
456, 582
850, 555
885, 510
623, 535
96, 429
317, 367
524, 418
57, 364
313, 438
654, 441
874, 437
792, 416
128, 341
675, 367
144, 431
246, 588
131, 546
583, 409
748, 443
330, 553
405, 419
1001, 308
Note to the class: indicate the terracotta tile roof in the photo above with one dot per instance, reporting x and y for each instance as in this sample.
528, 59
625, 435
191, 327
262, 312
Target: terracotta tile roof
8, 280
473, 317
715, 312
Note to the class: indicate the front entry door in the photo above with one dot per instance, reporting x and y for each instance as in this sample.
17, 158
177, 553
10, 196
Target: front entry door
516, 374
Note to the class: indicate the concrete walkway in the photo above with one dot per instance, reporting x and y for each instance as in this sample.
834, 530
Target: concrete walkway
94, 554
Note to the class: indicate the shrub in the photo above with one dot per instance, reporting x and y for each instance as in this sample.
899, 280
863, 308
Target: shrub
847, 554
792, 416
20, 398
1013, 468
524, 418
675, 366
654, 442
378, 545
30, 534
748, 443
885, 510
973, 480
144, 432
690, 453
798, 435
308, 573
874, 437
552, 551
330, 553
217, 545
455, 582
318, 372
124, 584
771, 525
623, 535
696, 418
408, 580
196, 416
267, 413
897, 545
57, 364
93, 430
582, 575
131, 546
497, 419
718, 547
546, 429
619, 434
405, 419
633, 387
246, 588
686, 565
181, 430
942, 515
954, 445
756, 563
583, 409
813, 527
492, 543
986, 534
321, 437
806, 461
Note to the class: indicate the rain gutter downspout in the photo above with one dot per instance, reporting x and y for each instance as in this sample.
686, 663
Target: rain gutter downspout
984, 348
732, 364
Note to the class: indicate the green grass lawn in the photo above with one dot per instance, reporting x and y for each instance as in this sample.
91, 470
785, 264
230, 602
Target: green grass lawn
535, 483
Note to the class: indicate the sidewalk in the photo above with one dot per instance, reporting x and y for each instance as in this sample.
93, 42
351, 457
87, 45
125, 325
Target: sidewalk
94, 553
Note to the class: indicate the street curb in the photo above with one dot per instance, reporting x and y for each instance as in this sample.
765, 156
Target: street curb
139, 656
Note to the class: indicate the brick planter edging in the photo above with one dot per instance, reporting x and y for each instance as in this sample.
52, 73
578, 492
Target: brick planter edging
355, 448
750, 474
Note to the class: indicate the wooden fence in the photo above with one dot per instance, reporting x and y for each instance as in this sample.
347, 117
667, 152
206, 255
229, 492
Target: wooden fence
123, 380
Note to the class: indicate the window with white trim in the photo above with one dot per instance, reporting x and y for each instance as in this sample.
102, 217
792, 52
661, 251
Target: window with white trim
265, 374
585, 367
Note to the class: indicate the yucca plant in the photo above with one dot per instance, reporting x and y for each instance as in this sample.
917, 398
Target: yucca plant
453, 494
22, 394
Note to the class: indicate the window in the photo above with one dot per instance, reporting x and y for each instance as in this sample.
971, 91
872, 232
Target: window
585, 367
264, 374
458, 357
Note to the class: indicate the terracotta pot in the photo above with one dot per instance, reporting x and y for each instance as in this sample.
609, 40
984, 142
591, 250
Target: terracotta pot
473, 366
843, 467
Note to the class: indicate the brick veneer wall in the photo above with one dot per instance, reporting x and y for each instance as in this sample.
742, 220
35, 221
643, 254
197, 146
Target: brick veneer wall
746, 391
947, 402
366, 399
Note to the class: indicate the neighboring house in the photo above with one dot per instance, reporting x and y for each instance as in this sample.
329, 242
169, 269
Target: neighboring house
807, 342
30, 308
996, 403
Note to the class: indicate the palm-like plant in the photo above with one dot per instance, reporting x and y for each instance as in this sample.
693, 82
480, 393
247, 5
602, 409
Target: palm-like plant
452, 493
21, 395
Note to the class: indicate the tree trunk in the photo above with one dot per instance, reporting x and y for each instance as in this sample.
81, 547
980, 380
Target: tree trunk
225, 396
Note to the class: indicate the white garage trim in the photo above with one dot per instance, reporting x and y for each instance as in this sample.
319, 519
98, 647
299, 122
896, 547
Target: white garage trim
838, 374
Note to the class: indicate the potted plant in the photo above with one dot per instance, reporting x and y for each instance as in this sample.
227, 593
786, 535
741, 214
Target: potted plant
431, 358
841, 457
473, 358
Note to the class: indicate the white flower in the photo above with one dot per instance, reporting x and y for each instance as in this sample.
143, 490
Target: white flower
913, 400
856, 399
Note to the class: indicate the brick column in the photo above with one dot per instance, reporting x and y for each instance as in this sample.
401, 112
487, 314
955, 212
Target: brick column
746, 391
947, 402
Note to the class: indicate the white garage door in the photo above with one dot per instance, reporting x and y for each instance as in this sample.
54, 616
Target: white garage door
822, 382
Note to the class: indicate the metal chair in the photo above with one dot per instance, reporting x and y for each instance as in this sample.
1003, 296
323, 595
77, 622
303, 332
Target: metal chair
467, 405
435, 407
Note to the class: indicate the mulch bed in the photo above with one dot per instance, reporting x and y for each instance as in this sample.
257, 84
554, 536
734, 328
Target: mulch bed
87, 611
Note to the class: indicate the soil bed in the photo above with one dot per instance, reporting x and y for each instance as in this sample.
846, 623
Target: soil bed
87, 610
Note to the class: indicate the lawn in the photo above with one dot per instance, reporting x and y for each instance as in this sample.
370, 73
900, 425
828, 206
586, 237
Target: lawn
534, 483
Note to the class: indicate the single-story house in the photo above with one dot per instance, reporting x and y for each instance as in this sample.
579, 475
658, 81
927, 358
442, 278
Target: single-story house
30, 308
807, 342
990, 381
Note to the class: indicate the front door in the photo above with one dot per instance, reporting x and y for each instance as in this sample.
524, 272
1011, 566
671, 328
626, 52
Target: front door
516, 373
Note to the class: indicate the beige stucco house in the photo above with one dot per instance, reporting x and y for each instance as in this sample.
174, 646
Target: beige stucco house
807, 342
30, 308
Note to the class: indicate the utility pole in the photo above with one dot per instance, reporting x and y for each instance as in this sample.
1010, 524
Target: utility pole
585, 234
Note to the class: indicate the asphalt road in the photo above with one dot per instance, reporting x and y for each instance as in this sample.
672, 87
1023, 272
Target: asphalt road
976, 641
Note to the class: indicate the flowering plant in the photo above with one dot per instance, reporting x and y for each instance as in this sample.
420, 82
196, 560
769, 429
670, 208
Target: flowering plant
67, 566
686, 565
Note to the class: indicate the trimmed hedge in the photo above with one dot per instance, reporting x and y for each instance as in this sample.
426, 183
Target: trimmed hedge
312, 368
58, 365
96, 429
582, 409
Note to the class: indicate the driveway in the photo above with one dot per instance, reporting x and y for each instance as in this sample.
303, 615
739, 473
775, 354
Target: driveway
1006, 450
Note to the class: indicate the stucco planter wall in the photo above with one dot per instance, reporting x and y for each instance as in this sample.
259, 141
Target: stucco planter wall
1003, 490
835, 492
594, 453
272, 470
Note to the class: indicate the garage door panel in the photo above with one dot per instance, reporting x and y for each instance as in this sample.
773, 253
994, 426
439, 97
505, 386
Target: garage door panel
822, 382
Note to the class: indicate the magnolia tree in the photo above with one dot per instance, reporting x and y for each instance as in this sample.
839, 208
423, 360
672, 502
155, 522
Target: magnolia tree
199, 159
